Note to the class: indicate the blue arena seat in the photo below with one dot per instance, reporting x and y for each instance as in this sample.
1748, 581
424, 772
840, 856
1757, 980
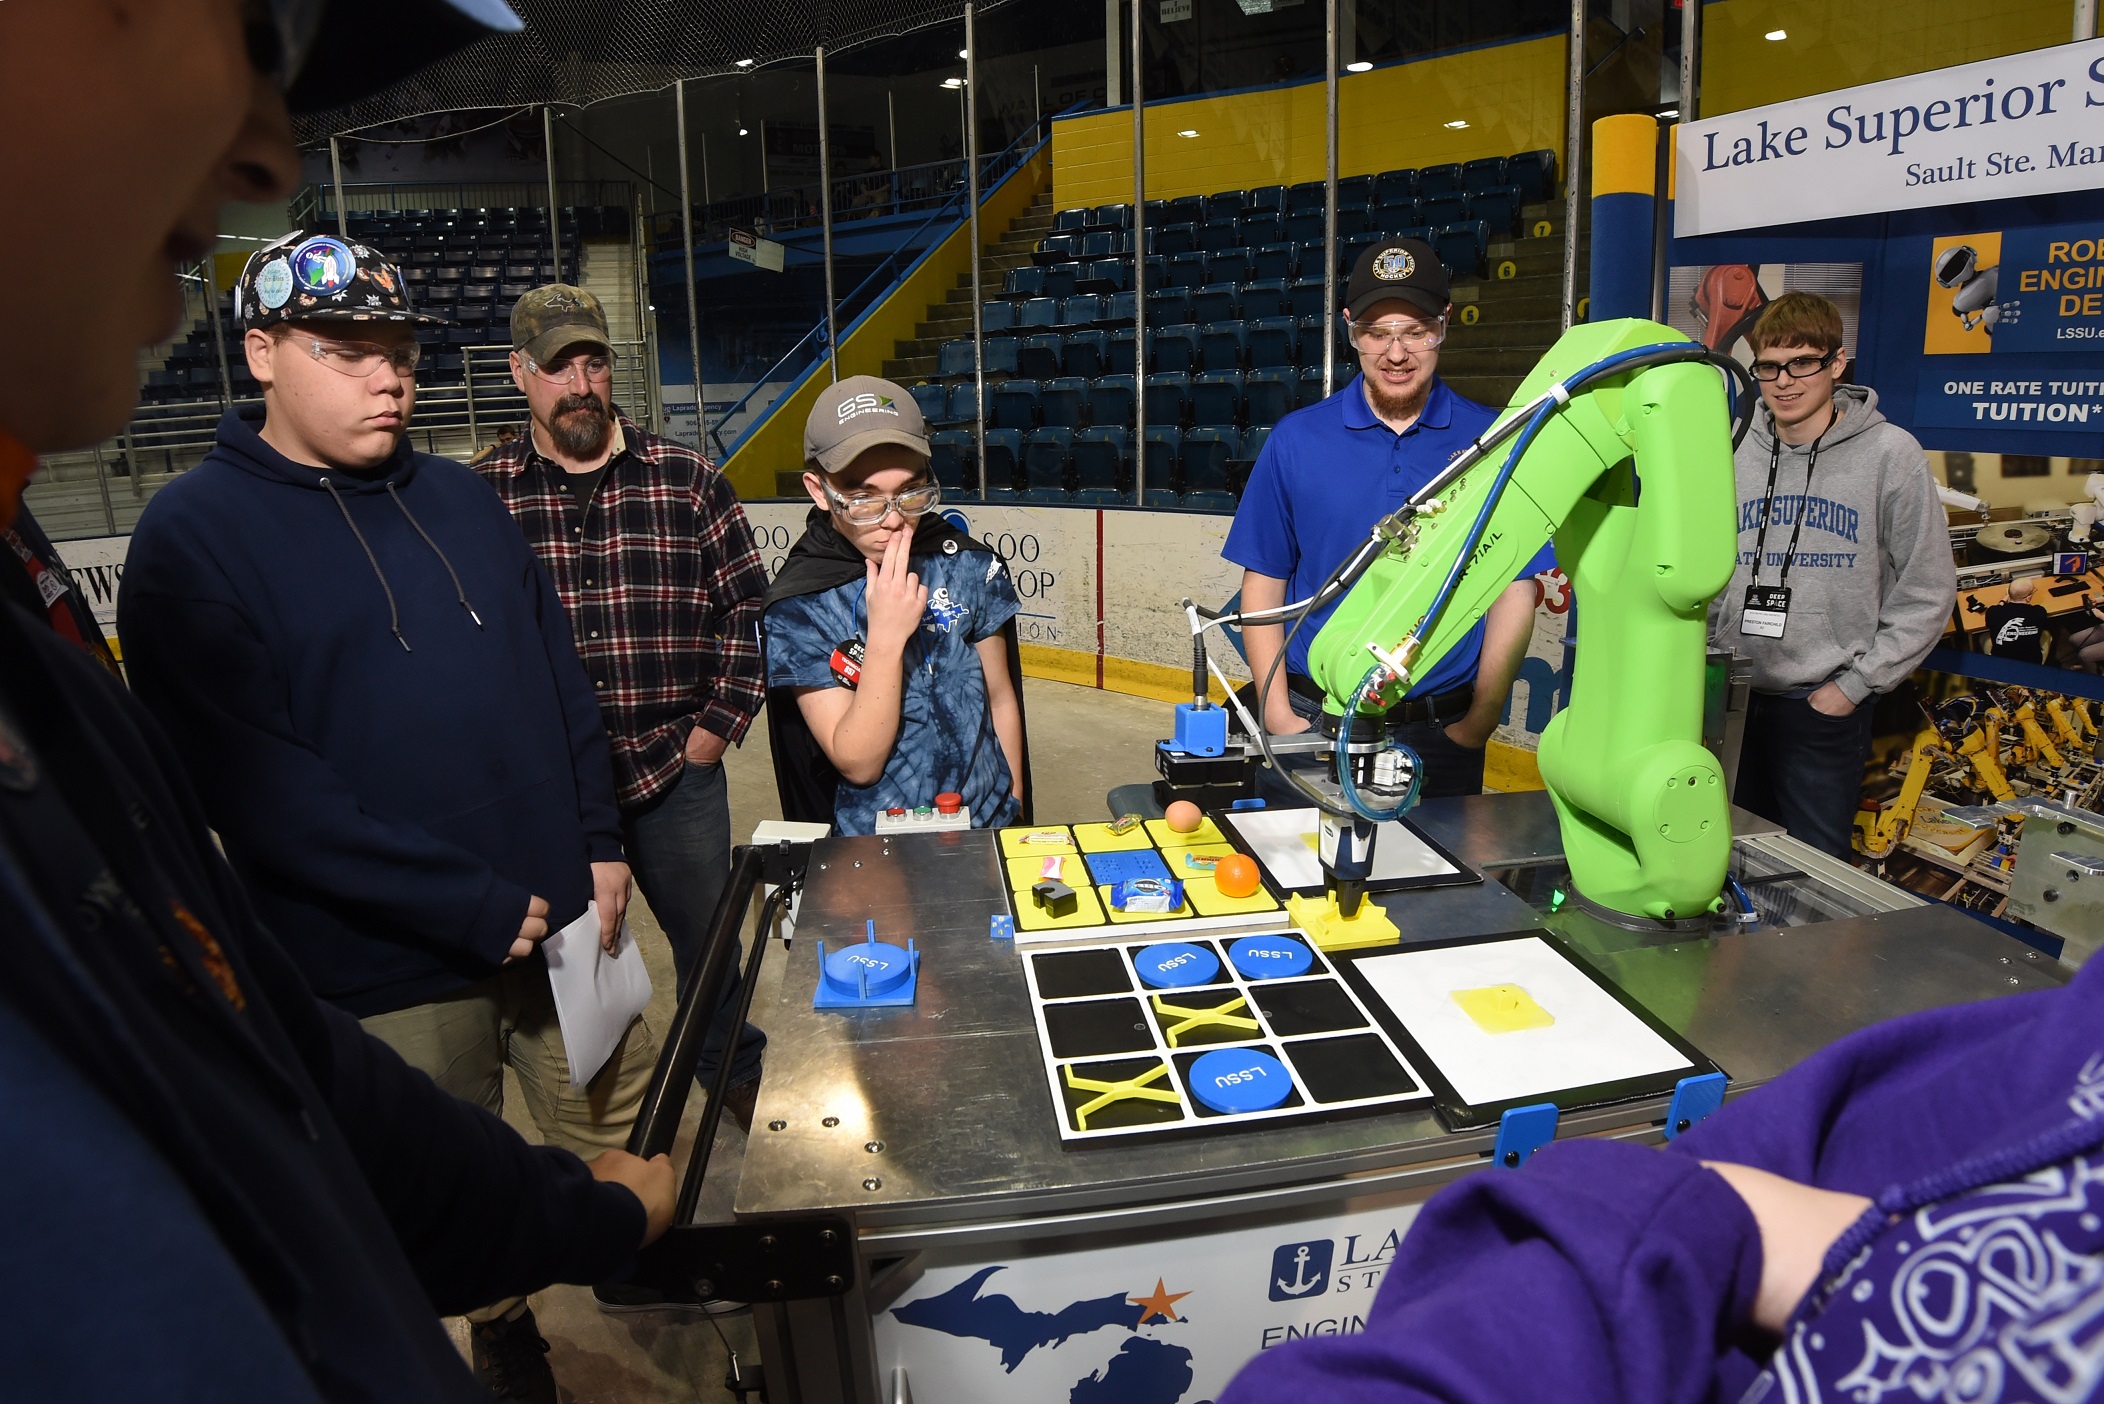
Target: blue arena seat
1080, 310
1216, 398
1111, 217
1057, 248
1013, 405
1253, 440
1087, 353
997, 316
1304, 195
1169, 306
1206, 452
955, 358
1463, 247
1265, 298
1040, 357
1227, 204
1001, 355
962, 409
1168, 399
1186, 270
1004, 457
1229, 266
1099, 243
1446, 208
1268, 227
1173, 239
1305, 296
1104, 275
1045, 454
1122, 360
1311, 381
1099, 458
1349, 249
1221, 346
1174, 348
949, 458
1118, 307
1274, 342
1164, 447
1064, 403
1393, 220
1215, 302
1268, 395
1267, 197
1394, 187
1483, 173
1439, 180
1070, 221
1163, 497
1038, 312
1184, 209
1312, 331
1110, 400
1218, 235
1269, 261
1498, 207
1306, 226
1060, 279
1352, 221
932, 399
1533, 172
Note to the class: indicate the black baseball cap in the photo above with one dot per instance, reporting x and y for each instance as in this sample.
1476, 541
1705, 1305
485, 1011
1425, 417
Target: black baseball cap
313, 276
326, 53
1398, 268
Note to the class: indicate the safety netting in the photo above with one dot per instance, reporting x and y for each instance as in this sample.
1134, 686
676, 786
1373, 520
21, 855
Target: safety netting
578, 52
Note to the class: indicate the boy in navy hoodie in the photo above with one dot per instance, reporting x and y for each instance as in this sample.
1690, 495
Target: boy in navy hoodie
371, 681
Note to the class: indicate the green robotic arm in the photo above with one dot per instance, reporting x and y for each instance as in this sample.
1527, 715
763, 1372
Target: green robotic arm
1619, 445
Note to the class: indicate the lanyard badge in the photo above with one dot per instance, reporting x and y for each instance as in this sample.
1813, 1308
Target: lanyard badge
1767, 611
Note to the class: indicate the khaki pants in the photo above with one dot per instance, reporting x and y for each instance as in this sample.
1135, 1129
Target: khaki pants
464, 1042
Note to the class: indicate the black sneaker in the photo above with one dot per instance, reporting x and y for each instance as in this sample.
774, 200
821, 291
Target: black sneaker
618, 1298
740, 1101
511, 1359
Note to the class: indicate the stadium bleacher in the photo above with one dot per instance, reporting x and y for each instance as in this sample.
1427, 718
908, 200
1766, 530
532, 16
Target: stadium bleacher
1235, 322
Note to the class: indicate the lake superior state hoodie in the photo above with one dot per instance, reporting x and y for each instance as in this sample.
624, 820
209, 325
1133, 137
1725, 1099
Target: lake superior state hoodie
372, 684
1872, 582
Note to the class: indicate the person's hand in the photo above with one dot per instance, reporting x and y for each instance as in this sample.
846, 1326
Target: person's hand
1831, 700
532, 931
896, 598
1798, 1224
651, 1181
704, 747
610, 883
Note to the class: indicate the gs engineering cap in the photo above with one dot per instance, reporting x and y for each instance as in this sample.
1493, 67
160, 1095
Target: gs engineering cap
309, 277
1398, 268
857, 414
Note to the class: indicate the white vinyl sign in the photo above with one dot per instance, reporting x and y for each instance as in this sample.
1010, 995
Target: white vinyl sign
2028, 124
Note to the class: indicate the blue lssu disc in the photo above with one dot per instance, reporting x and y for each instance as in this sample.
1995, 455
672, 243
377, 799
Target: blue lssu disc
1171, 964
886, 967
1270, 957
1240, 1080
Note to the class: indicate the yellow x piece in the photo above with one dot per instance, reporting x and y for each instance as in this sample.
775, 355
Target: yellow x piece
1131, 1089
1219, 1016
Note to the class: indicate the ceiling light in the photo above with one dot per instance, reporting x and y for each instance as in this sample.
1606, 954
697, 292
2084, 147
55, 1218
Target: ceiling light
1669, 112
1456, 125
953, 82
1362, 66
742, 63
964, 53
1188, 132
743, 132
1776, 35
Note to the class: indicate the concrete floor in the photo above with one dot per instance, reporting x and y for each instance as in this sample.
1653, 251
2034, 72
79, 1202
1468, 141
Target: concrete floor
1082, 743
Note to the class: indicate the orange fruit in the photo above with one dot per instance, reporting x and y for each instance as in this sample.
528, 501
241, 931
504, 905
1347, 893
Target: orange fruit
1236, 875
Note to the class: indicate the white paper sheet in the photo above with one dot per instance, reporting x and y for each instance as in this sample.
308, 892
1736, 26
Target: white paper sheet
1594, 1039
1284, 842
597, 996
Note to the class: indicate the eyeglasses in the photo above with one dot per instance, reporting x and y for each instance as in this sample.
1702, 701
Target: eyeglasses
596, 368
1374, 338
1798, 366
865, 509
359, 359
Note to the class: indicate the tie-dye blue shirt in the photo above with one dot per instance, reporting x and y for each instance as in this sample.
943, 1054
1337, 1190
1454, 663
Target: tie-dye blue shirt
946, 735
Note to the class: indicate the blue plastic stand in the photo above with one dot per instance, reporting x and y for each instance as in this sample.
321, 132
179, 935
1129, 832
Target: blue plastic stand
870, 975
1693, 1099
1255, 802
1200, 731
1002, 928
1521, 1132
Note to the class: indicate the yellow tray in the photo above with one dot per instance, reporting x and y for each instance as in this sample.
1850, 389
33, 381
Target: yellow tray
1166, 837
1207, 897
1026, 873
1012, 845
1029, 916
1119, 918
1097, 838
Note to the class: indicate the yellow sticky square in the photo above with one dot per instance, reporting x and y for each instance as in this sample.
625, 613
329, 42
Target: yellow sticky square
1206, 896
1029, 916
1097, 838
1041, 842
1025, 873
1121, 917
1166, 837
1500, 1009
1178, 868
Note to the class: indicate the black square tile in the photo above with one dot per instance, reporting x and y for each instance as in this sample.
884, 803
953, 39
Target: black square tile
1308, 1007
1068, 974
1097, 1028
1348, 1069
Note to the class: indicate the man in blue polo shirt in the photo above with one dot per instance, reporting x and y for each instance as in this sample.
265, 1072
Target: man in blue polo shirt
1330, 471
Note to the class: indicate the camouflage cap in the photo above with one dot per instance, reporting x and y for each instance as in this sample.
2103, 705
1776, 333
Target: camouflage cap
310, 277
857, 414
549, 318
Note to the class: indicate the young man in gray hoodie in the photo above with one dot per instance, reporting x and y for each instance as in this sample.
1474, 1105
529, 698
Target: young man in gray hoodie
1845, 577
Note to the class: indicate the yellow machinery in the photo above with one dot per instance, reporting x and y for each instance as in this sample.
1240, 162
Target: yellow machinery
1878, 831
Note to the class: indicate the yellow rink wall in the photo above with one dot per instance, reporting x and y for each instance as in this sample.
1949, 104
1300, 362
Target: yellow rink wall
1510, 94
1866, 41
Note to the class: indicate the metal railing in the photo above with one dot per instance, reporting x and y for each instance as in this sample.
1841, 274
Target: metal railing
100, 490
313, 204
812, 344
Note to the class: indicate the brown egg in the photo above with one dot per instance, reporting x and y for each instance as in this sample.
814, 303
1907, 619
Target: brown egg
1184, 817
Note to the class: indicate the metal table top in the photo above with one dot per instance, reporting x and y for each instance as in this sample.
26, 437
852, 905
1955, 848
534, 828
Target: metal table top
938, 1113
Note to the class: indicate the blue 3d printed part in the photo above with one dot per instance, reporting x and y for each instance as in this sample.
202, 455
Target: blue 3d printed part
1693, 1099
1001, 928
1521, 1132
870, 975
1200, 731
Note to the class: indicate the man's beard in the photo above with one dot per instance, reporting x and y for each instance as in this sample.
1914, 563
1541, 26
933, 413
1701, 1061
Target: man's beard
580, 435
1393, 406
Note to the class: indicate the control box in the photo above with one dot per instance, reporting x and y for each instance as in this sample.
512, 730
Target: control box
948, 812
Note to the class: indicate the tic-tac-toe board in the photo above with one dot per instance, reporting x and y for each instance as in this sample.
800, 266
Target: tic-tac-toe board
1091, 858
1141, 1038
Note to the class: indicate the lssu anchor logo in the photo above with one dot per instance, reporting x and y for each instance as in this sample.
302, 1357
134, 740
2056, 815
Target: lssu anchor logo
1301, 1270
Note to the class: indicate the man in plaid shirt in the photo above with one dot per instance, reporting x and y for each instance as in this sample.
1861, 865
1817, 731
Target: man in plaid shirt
656, 564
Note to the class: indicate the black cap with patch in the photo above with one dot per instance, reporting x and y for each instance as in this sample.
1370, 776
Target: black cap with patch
314, 277
1398, 268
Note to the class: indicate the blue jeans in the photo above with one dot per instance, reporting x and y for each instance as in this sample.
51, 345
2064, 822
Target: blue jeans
679, 846
1803, 768
1449, 768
